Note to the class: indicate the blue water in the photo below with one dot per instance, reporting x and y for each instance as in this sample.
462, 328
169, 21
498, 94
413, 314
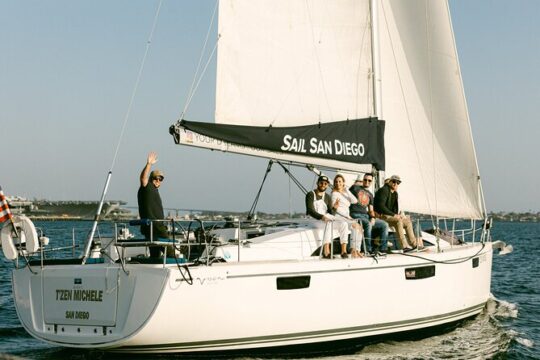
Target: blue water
509, 327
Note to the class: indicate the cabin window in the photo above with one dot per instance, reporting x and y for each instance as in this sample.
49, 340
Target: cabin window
293, 282
475, 262
421, 272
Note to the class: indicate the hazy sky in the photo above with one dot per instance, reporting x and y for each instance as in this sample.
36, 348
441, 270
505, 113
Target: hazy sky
68, 68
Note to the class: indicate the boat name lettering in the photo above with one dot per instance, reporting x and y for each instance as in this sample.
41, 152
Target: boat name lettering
79, 295
322, 147
70, 314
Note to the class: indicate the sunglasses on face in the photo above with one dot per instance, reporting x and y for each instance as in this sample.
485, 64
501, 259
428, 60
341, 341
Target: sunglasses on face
160, 179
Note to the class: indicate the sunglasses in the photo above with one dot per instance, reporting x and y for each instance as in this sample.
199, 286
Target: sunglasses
159, 178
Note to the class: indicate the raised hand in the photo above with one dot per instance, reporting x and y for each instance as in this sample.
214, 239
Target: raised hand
152, 158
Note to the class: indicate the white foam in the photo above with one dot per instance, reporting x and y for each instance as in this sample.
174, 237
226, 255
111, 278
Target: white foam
507, 309
525, 342
502, 308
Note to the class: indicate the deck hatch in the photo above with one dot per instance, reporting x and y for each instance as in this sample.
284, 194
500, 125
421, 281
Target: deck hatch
293, 282
420, 272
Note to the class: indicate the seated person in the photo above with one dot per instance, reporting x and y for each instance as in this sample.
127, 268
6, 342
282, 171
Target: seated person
341, 200
387, 206
363, 211
318, 206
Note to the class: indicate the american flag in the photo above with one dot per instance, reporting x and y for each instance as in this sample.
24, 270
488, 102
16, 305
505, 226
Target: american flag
5, 213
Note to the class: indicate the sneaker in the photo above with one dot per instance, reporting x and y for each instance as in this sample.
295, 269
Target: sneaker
406, 250
327, 256
397, 251
344, 255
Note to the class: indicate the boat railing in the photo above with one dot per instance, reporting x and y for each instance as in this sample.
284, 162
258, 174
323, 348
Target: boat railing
464, 230
190, 240
196, 239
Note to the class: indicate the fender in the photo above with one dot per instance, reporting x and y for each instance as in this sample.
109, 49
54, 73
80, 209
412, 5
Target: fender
28, 240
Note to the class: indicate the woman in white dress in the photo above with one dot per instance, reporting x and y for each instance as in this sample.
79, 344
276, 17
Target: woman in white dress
341, 200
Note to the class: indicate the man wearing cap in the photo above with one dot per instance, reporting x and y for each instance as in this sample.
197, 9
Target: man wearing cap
387, 206
149, 201
319, 206
363, 211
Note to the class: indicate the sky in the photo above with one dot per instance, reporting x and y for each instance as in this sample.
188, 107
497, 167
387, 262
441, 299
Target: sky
68, 70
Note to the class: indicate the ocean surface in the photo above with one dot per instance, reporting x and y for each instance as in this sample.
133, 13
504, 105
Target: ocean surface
508, 328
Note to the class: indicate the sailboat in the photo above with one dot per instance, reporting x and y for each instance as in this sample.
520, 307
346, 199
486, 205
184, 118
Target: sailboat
345, 85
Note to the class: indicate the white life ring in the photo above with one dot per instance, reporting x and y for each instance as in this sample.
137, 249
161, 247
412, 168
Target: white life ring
28, 240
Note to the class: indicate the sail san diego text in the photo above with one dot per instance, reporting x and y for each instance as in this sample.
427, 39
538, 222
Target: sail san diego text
322, 147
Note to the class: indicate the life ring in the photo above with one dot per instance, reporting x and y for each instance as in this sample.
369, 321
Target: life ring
28, 239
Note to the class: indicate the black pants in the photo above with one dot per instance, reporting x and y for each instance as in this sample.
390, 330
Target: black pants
159, 231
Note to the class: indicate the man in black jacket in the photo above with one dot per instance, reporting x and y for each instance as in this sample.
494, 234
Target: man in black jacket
387, 207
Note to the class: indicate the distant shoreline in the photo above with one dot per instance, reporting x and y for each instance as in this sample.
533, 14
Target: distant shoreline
507, 218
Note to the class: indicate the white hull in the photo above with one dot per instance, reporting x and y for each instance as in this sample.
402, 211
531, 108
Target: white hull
237, 305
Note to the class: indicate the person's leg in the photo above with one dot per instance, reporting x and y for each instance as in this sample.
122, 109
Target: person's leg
326, 250
366, 225
407, 224
382, 227
343, 249
398, 226
357, 237
344, 232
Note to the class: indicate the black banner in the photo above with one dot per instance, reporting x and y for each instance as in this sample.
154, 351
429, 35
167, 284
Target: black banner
359, 141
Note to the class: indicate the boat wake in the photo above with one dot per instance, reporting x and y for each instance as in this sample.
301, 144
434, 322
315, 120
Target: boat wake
481, 337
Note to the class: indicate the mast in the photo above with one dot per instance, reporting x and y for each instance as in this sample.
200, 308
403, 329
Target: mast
376, 72
375, 57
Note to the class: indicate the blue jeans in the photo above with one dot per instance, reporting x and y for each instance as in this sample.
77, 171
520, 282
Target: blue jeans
380, 225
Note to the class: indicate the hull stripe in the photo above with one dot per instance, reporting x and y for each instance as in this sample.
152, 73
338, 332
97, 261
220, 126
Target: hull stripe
349, 269
201, 345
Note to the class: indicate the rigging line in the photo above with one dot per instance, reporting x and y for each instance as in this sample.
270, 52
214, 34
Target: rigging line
446, 262
319, 64
202, 75
254, 205
89, 240
294, 179
139, 75
406, 107
191, 89
430, 78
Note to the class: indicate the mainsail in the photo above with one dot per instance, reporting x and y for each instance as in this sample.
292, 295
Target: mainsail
291, 63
